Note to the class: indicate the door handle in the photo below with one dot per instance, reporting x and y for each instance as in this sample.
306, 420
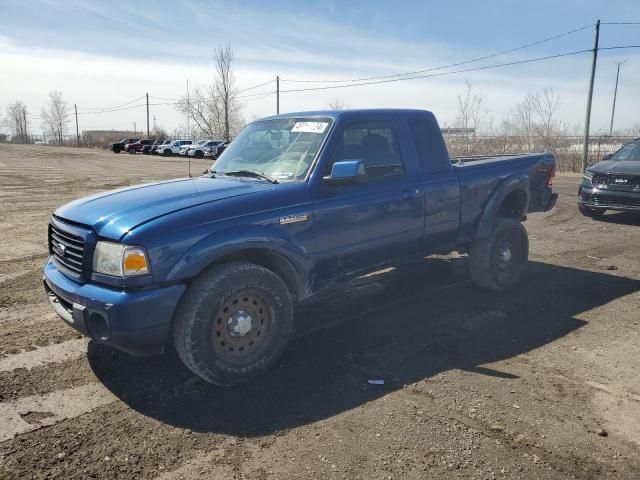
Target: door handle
412, 193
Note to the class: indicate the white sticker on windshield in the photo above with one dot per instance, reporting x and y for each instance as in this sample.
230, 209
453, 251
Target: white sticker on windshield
310, 127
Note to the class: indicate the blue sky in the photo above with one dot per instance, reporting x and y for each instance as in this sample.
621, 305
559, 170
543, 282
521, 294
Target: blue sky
108, 53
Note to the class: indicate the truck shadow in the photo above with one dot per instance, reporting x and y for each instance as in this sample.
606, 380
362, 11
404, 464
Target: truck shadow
620, 218
403, 326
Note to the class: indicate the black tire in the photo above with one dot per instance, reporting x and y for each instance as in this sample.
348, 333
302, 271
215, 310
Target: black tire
209, 336
590, 212
167, 153
497, 263
132, 151
116, 150
198, 154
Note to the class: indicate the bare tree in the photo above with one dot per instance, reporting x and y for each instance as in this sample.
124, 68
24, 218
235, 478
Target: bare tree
203, 108
226, 90
470, 116
336, 104
17, 121
545, 105
215, 109
524, 122
56, 115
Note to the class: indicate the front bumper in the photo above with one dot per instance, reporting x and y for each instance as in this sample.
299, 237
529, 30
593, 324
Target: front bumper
622, 200
137, 321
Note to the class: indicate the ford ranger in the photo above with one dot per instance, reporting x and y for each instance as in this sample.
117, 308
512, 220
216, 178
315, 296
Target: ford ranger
214, 265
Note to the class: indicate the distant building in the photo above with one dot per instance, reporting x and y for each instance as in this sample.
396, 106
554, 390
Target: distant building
4, 138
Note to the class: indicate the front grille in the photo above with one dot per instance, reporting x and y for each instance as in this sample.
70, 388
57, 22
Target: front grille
67, 249
605, 200
600, 179
616, 180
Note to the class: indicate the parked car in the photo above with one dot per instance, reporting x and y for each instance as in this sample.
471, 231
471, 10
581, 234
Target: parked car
613, 184
119, 146
137, 146
298, 203
171, 148
146, 149
185, 148
215, 152
154, 149
198, 151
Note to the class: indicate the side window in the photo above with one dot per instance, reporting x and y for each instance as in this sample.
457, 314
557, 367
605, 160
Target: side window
430, 148
376, 144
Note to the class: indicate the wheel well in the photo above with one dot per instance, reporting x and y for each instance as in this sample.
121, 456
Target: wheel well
271, 260
513, 205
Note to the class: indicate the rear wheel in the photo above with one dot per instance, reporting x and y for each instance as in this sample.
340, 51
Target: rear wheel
233, 323
198, 154
167, 153
497, 263
590, 212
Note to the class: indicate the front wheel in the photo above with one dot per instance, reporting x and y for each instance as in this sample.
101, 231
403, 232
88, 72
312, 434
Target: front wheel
233, 323
497, 262
167, 153
590, 212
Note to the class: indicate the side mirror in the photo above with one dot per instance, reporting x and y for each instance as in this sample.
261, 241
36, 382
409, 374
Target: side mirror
607, 156
347, 171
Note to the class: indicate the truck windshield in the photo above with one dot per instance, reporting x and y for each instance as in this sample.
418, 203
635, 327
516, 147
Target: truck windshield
631, 151
282, 149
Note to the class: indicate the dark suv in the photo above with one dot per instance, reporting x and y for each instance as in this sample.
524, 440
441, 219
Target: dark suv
119, 146
613, 184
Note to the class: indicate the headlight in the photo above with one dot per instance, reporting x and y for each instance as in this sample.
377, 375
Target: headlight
120, 260
588, 175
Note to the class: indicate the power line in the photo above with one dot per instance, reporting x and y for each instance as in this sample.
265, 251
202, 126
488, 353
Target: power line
115, 106
620, 23
465, 62
256, 86
486, 67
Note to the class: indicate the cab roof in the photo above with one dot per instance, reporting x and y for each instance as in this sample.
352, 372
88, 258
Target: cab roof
336, 114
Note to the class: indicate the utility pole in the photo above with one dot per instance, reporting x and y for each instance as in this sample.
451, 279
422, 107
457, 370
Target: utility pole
188, 110
147, 115
278, 95
24, 118
134, 128
615, 94
75, 107
587, 122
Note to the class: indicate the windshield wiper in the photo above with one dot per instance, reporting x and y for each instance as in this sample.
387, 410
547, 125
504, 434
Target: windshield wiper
249, 173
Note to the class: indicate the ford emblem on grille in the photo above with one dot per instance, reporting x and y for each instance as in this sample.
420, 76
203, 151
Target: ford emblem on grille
60, 249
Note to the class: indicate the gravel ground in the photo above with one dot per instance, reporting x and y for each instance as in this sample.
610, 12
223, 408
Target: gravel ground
540, 382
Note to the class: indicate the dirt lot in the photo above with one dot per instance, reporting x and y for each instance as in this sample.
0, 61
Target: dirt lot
541, 382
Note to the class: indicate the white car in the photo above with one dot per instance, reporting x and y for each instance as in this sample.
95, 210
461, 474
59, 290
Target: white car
202, 149
172, 148
185, 148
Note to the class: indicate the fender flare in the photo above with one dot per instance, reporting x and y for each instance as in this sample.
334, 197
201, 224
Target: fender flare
292, 259
518, 182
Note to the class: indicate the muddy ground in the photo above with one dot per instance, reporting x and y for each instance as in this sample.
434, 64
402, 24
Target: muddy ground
540, 382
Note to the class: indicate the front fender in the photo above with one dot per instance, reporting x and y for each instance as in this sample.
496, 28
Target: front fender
504, 188
236, 239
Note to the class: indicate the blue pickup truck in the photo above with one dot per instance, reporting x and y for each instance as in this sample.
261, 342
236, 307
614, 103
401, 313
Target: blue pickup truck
213, 265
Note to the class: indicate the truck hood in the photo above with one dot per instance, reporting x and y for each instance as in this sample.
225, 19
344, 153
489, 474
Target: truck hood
113, 214
629, 167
